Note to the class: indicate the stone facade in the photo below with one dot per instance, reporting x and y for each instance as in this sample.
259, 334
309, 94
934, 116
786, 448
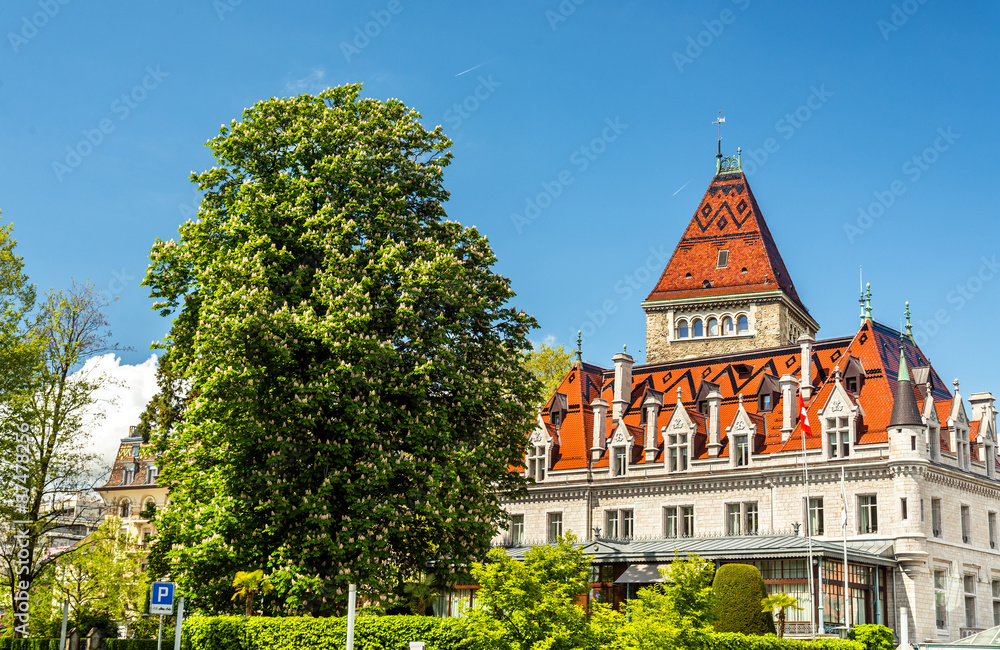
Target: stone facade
772, 322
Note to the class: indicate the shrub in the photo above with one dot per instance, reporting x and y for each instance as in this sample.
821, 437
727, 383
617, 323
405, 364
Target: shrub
307, 633
872, 637
8, 643
734, 641
739, 588
135, 644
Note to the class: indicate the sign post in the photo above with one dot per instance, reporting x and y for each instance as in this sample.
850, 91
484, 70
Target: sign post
161, 601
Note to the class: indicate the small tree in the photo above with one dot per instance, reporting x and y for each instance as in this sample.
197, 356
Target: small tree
779, 603
420, 592
549, 365
739, 590
530, 604
248, 584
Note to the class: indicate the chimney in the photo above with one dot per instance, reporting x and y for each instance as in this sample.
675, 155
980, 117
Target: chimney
805, 384
653, 403
982, 404
623, 385
714, 401
600, 429
788, 405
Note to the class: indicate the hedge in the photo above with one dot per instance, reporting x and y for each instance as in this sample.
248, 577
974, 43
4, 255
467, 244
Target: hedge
736, 641
873, 637
137, 644
739, 588
29, 644
302, 632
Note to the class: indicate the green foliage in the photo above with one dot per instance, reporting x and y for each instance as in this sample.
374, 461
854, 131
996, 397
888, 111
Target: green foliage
872, 637
779, 602
736, 641
248, 584
8, 643
342, 391
307, 633
531, 604
676, 613
739, 590
133, 644
549, 365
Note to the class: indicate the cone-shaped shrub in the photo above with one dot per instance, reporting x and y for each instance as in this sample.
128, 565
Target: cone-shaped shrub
739, 588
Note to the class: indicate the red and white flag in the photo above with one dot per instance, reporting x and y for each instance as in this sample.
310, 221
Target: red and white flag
804, 417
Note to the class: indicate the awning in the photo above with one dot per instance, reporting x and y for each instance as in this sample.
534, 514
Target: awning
640, 574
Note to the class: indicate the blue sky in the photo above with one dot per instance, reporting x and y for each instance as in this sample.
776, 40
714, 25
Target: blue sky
599, 113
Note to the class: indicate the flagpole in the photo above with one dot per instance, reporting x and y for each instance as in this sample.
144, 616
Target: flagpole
805, 466
843, 523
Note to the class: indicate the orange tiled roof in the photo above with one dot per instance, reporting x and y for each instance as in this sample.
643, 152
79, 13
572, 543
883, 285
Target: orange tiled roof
726, 218
876, 346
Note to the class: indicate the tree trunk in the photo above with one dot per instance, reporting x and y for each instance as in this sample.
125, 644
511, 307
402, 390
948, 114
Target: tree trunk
781, 623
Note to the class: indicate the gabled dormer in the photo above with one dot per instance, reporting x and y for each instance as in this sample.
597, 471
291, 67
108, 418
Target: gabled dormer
839, 420
743, 438
768, 393
558, 407
620, 449
958, 428
854, 375
678, 439
539, 458
651, 406
701, 397
985, 414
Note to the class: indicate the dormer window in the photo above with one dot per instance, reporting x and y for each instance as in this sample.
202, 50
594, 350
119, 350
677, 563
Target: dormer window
620, 465
764, 402
128, 476
852, 384
557, 409
536, 463
703, 407
838, 437
723, 260
135, 451
742, 449
677, 452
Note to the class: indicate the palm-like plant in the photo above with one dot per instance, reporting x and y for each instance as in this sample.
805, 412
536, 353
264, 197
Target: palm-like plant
248, 584
779, 603
420, 592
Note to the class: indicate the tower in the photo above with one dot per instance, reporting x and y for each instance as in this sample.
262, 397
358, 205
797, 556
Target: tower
725, 288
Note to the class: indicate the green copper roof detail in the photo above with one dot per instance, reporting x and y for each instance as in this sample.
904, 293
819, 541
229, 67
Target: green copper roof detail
904, 373
579, 347
909, 326
868, 302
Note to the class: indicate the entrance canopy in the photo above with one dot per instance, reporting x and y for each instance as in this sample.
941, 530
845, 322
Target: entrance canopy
640, 574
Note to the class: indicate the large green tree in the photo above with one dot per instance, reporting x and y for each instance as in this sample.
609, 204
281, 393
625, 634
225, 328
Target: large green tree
342, 388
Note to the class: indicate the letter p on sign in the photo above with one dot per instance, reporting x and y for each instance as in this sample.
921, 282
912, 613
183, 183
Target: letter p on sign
162, 598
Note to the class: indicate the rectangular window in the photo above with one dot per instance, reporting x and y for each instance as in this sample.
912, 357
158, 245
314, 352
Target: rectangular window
902, 509
611, 529
687, 521
969, 585
995, 588
922, 520
733, 519
723, 260
816, 516
852, 384
765, 402
940, 601
867, 514
991, 519
750, 518
913, 443
684, 455
627, 524
966, 527
620, 464
936, 517
555, 526
517, 529
670, 523
742, 451
838, 437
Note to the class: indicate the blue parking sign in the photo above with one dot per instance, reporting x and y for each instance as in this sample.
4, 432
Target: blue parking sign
161, 599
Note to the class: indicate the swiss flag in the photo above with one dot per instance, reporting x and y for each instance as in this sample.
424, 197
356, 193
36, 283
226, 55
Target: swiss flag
804, 417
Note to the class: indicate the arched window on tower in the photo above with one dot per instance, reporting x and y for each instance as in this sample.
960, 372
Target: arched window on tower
682, 329
713, 327
742, 325
699, 329
727, 326
124, 508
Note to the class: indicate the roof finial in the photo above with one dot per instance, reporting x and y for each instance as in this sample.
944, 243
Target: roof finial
868, 302
955, 384
836, 373
678, 393
718, 156
624, 349
861, 297
909, 326
579, 347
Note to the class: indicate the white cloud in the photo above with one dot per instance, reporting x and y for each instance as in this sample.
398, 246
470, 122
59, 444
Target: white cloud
311, 83
121, 401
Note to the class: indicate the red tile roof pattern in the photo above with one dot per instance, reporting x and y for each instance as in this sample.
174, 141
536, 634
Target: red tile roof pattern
727, 218
876, 346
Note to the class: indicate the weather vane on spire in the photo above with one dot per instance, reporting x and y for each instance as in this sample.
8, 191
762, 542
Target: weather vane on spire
718, 155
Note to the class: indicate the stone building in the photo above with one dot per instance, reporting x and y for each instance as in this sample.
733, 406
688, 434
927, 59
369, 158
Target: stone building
702, 449
131, 491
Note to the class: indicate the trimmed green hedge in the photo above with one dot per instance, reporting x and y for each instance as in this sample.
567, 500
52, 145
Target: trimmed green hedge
873, 637
303, 632
29, 644
735, 641
739, 588
136, 644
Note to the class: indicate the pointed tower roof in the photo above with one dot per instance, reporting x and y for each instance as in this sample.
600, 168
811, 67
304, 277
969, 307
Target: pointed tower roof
904, 404
727, 218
